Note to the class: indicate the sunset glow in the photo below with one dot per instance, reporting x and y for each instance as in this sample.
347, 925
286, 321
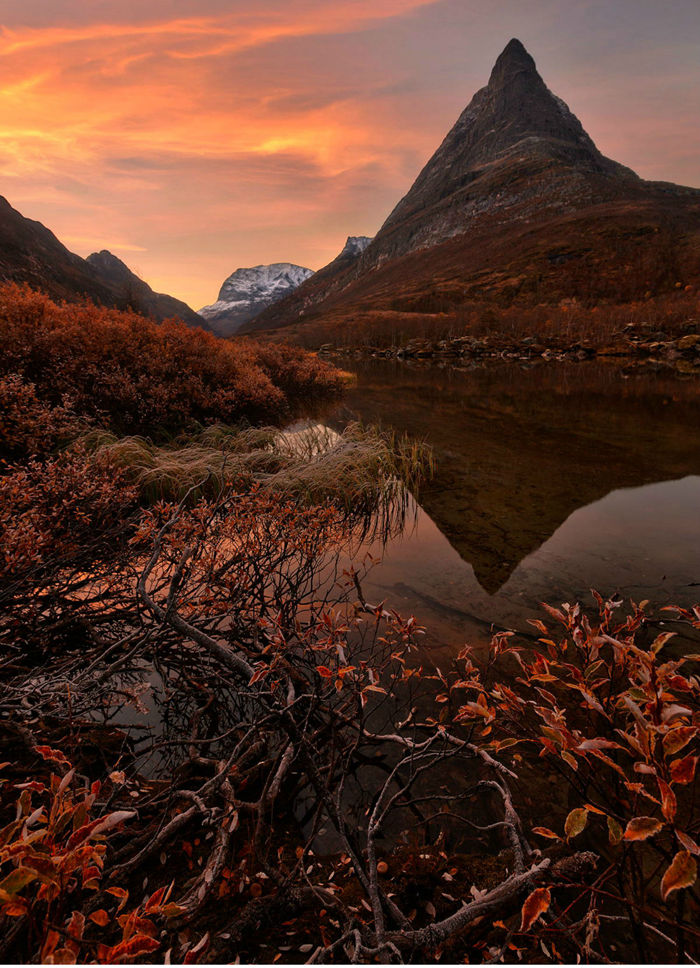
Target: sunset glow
191, 139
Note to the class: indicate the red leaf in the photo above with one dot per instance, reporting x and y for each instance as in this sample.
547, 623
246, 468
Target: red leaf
100, 917
534, 907
47, 753
324, 671
193, 954
683, 771
683, 872
155, 900
129, 950
668, 799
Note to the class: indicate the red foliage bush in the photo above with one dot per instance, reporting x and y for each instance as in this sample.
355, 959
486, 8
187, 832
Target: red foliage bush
30, 426
137, 376
53, 511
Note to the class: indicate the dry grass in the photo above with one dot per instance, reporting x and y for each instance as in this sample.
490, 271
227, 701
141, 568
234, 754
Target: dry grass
361, 471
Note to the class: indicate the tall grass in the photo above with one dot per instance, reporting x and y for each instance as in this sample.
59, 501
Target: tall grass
362, 472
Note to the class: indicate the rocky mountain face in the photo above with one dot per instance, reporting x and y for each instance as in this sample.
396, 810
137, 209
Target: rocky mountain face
354, 245
246, 292
514, 121
517, 204
32, 254
326, 280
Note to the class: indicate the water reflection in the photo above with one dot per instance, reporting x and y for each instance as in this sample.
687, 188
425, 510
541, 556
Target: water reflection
550, 481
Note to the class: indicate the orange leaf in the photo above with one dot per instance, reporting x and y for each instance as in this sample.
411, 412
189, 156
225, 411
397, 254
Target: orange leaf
576, 822
614, 831
100, 917
546, 832
683, 872
639, 828
121, 893
688, 843
534, 907
324, 671
677, 738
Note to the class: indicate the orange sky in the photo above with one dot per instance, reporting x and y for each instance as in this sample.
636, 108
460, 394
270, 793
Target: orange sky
194, 138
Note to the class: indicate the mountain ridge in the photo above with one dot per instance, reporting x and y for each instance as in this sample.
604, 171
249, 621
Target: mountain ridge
30, 253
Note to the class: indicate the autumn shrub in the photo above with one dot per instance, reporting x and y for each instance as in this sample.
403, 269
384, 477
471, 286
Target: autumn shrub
30, 426
57, 512
138, 377
612, 715
52, 859
555, 324
295, 371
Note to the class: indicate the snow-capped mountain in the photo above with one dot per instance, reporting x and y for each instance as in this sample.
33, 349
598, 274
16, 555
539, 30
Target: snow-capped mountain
296, 302
247, 292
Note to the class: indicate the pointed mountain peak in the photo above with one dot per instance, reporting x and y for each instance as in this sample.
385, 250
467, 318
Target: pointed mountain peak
513, 62
514, 120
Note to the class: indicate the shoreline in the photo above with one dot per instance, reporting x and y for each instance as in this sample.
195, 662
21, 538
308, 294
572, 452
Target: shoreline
635, 349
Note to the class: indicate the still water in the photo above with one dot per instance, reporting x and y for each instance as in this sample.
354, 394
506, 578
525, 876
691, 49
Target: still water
551, 480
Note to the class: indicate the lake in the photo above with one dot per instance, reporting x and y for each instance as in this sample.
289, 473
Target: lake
551, 480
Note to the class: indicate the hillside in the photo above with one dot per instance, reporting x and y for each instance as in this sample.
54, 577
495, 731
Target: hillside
30, 253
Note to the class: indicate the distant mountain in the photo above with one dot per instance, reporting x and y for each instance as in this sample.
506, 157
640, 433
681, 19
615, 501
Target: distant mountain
30, 253
325, 280
246, 292
138, 294
516, 205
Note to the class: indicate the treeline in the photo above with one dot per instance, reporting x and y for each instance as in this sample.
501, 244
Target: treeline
555, 325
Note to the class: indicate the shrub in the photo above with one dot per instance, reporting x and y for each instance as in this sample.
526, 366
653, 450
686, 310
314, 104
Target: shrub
30, 426
138, 377
58, 512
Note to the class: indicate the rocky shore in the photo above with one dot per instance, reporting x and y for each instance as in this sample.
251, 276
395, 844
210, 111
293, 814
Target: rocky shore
637, 344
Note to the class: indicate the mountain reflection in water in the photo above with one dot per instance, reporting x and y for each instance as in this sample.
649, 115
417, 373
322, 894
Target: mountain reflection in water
550, 480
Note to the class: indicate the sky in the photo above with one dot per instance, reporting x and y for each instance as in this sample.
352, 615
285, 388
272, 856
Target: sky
192, 138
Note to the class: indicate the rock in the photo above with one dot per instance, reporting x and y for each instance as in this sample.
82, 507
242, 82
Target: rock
688, 342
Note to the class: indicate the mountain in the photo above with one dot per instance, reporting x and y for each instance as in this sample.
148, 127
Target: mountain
354, 245
246, 292
326, 280
32, 254
138, 294
516, 205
